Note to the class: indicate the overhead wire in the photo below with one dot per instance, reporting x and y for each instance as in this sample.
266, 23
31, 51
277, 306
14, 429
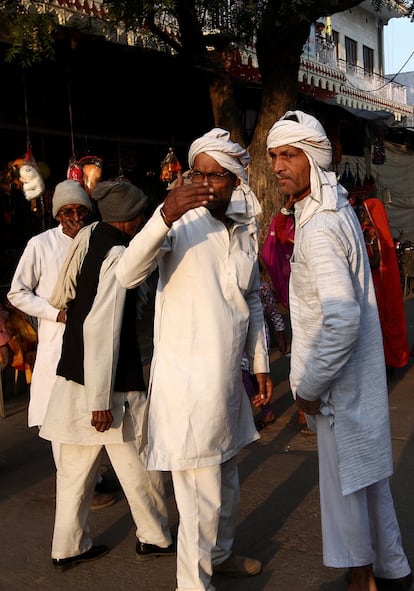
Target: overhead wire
389, 80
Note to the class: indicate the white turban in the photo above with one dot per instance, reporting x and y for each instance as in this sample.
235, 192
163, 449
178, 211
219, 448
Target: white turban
308, 135
244, 205
217, 144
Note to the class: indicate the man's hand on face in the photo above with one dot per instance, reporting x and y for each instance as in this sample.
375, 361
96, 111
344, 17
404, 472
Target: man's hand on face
71, 227
73, 218
184, 197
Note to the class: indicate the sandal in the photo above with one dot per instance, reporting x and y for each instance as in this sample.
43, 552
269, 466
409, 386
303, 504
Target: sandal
267, 420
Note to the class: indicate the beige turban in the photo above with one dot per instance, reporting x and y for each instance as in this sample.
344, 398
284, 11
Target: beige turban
217, 144
308, 135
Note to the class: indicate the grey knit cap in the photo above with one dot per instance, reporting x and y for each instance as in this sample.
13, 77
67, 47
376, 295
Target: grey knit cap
119, 201
69, 192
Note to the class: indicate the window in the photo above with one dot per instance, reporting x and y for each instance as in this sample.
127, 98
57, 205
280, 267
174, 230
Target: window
368, 54
350, 53
335, 39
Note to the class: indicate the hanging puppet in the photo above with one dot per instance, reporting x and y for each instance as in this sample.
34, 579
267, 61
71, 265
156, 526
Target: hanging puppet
87, 171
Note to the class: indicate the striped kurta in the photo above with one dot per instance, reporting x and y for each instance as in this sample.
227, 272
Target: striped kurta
337, 351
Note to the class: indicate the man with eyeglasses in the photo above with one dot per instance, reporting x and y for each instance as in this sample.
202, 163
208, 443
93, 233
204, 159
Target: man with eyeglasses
204, 240
32, 284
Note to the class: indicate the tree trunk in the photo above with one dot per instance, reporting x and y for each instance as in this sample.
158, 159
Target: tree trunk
224, 108
279, 94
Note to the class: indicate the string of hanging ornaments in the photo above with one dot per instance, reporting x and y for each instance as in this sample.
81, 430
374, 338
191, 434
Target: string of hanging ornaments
87, 171
25, 173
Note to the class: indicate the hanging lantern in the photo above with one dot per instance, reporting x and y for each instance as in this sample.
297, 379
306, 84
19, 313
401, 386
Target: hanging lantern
170, 167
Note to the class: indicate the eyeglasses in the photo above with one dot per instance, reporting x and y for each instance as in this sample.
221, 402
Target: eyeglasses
212, 177
70, 212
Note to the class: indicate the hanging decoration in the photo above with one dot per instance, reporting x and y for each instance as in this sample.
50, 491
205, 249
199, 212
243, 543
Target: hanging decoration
33, 185
30, 177
378, 148
24, 173
74, 172
87, 171
170, 166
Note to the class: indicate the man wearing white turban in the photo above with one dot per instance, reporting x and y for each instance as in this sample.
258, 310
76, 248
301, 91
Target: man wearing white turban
204, 240
338, 375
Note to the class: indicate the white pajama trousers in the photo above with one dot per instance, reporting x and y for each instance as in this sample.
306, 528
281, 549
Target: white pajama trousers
208, 501
75, 485
360, 528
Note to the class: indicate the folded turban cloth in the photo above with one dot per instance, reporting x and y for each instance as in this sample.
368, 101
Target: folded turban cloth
307, 134
230, 155
217, 144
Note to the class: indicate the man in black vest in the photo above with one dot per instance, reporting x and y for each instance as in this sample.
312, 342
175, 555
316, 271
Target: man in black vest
99, 396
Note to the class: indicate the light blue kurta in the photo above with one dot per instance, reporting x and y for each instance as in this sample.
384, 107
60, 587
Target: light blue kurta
337, 350
207, 308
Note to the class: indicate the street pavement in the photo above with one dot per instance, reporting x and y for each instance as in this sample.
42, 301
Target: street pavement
279, 519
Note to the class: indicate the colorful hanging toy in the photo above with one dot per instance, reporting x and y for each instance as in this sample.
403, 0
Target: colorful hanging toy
87, 171
170, 167
33, 185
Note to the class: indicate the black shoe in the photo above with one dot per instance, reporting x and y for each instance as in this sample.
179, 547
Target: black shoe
403, 584
93, 553
149, 551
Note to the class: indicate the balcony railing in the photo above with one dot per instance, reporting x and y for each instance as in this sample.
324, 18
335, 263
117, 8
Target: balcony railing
373, 82
323, 51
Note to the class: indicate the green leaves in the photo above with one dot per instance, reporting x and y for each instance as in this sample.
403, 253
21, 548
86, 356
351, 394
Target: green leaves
31, 36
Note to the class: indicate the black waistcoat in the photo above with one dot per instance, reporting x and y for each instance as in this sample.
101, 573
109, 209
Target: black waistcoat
129, 373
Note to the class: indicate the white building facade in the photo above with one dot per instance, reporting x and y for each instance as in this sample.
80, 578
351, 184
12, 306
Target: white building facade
344, 60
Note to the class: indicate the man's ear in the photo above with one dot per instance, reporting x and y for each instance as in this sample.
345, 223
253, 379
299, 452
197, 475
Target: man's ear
237, 182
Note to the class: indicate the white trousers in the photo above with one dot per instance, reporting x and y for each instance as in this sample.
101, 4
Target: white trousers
360, 528
75, 484
208, 501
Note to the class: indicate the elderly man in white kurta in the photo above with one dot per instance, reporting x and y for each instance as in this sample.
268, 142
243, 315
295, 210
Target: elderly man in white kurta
32, 284
204, 240
338, 372
99, 394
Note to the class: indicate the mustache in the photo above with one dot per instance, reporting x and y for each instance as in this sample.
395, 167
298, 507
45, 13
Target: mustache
281, 177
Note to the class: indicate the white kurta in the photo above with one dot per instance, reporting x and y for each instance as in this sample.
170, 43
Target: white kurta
32, 284
207, 305
337, 350
68, 417
68, 421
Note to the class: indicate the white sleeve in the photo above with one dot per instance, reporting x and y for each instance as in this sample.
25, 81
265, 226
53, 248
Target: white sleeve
101, 334
140, 257
22, 294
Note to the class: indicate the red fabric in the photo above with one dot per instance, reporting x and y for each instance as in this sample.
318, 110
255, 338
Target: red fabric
276, 252
388, 290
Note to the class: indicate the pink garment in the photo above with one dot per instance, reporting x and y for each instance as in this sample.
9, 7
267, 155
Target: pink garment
276, 252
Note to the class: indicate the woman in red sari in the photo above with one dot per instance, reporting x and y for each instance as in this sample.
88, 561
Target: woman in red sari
387, 280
